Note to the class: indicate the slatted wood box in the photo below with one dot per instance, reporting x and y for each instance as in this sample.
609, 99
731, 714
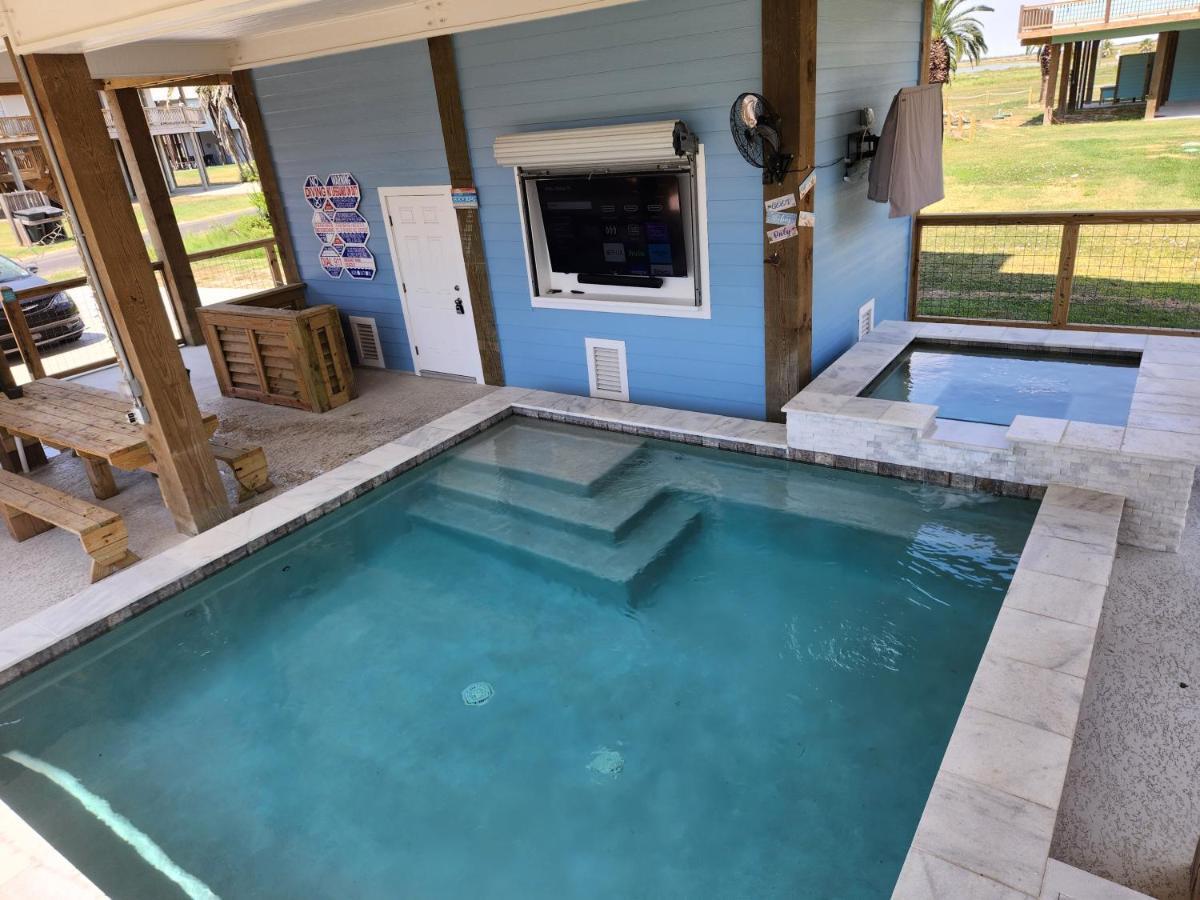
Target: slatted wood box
271, 348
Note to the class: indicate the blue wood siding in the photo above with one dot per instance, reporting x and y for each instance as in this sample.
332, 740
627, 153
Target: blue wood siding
867, 50
372, 113
661, 59
1185, 79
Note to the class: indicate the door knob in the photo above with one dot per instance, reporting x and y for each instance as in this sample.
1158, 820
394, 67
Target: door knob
458, 306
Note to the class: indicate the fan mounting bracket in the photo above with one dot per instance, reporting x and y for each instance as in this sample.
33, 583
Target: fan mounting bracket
776, 168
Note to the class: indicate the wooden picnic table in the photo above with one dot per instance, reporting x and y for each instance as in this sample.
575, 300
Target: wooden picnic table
92, 422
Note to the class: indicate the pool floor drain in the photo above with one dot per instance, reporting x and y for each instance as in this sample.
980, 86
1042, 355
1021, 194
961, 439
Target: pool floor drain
607, 762
478, 693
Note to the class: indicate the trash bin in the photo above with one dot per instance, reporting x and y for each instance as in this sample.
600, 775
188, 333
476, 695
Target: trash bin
42, 223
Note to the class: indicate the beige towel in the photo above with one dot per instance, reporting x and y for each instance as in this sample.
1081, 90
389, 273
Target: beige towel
907, 169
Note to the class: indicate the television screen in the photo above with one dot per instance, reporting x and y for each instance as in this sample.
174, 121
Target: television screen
628, 225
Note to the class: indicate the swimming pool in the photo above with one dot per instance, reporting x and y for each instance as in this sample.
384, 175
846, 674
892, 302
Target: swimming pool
993, 386
551, 662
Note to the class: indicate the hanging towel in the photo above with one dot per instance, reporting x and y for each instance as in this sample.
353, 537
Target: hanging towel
907, 169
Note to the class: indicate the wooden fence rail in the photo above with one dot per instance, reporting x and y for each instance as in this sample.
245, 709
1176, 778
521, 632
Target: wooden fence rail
1107, 270
30, 354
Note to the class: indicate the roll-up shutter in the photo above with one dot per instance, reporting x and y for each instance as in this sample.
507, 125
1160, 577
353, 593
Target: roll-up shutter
646, 145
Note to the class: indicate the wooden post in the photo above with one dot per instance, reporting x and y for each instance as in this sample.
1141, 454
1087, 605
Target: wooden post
1069, 248
22, 335
256, 132
926, 41
1052, 83
914, 269
177, 437
137, 146
1064, 84
789, 61
1158, 75
458, 158
201, 168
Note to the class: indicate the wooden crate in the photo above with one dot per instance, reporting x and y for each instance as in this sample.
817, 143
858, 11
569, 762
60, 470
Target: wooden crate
269, 348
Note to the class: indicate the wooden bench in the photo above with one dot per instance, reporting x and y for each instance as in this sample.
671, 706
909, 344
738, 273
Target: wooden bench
30, 508
249, 467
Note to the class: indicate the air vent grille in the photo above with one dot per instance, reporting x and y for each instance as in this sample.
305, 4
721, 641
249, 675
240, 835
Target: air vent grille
608, 376
366, 341
866, 318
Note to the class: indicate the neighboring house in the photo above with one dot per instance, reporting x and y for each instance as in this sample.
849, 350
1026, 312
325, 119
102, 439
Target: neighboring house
1167, 79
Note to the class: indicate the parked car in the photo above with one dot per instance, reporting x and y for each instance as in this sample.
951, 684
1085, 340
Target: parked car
53, 319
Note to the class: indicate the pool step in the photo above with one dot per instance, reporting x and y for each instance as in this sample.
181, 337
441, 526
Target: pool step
608, 515
615, 570
561, 456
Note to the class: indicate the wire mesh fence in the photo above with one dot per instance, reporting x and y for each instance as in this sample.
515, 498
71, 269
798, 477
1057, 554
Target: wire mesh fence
230, 272
1137, 275
1002, 272
1129, 271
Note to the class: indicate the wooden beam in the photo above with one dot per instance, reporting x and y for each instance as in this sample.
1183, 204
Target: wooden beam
176, 435
129, 120
1052, 83
458, 158
149, 81
21, 334
789, 79
260, 148
1064, 84
1158, 75
1060, 312
926, 41
10, 89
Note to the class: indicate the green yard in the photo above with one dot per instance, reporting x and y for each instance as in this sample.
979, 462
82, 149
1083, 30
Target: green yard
1103, 161
1140, 275
216, 175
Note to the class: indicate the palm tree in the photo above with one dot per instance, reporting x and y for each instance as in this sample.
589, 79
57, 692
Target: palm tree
954, 33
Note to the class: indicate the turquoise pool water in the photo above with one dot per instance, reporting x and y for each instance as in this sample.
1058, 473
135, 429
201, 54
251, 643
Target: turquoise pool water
552, 663
996, 386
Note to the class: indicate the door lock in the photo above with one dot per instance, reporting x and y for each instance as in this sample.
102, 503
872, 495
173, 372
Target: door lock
458, 306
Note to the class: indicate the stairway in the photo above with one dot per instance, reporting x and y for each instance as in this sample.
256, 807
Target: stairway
573, 505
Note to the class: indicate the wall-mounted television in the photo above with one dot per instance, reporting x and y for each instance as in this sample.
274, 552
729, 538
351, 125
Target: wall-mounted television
629, 226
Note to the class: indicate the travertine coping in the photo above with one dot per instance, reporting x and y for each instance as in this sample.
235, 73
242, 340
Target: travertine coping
991, 812
1150, 461
989, 820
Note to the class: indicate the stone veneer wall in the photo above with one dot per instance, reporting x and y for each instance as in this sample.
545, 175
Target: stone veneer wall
829, 420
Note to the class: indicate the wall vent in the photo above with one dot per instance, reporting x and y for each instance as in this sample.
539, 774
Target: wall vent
608, 376
866, 318
366, 341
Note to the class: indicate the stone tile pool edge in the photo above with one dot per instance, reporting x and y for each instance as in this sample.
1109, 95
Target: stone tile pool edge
1151, 461
990, 817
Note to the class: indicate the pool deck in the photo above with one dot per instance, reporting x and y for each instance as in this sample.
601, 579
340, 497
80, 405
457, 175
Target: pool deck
988, 827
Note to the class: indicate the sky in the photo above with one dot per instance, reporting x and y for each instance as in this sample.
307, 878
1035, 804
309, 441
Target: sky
1000, 27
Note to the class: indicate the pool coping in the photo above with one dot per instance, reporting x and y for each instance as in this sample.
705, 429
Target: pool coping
1006, 761
1162, 430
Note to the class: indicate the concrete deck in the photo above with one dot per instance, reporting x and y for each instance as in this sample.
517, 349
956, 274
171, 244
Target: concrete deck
299, 446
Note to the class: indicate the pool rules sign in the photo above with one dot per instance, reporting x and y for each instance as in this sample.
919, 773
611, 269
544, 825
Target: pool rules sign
339, 226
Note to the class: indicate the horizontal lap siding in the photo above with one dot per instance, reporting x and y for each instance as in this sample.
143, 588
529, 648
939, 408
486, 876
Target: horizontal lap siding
372, 113
867, 50
661, 59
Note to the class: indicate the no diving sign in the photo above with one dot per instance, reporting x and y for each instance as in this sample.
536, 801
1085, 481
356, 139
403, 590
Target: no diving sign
342, 230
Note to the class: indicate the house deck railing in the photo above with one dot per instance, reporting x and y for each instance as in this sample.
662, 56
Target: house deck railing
1136, 271
1067, 16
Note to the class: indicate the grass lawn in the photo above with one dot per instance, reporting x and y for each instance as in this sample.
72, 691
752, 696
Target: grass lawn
1136, 275
188, 208
216, 175
1109, 162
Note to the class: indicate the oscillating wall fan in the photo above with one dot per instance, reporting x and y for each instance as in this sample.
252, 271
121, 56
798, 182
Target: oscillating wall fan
755, 130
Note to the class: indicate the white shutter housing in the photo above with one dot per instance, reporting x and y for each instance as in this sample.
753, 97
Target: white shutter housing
642, 144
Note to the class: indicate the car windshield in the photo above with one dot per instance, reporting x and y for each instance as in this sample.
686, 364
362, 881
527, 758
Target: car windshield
11, 271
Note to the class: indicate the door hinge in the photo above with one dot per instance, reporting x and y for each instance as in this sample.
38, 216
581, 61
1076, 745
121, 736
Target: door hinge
404, 287
418, 349
390, 222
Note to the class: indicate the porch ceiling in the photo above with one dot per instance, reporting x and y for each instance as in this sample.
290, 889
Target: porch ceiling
142, 37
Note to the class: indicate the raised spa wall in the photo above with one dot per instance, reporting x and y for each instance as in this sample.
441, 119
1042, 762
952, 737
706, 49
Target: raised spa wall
1151, 461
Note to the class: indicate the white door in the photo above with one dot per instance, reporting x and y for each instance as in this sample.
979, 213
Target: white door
427, 253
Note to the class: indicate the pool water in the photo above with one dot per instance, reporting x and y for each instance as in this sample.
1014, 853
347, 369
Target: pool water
973, 384
551, 663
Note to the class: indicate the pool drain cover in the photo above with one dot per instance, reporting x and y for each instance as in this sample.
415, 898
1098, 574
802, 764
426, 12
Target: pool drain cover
607, 762
478, 693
